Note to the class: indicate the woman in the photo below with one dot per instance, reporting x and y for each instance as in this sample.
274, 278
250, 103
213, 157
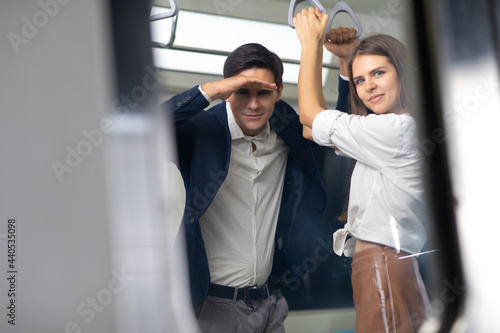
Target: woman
384, 228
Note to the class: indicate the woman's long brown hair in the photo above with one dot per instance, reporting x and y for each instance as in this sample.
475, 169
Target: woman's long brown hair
382, 45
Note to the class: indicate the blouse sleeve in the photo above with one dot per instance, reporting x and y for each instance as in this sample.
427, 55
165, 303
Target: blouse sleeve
372, 139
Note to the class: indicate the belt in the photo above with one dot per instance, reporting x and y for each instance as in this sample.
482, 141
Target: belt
246, 294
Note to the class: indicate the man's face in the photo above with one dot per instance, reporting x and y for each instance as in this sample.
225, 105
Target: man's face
252, 107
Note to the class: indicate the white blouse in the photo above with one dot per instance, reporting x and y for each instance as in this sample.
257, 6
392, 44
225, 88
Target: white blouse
386, 204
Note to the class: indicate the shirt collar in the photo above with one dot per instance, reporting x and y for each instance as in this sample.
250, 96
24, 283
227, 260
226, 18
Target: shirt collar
237, 133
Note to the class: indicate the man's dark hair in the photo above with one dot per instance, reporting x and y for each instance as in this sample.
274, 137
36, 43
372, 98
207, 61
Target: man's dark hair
253, 55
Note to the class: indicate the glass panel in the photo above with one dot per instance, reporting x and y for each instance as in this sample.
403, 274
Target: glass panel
406, 257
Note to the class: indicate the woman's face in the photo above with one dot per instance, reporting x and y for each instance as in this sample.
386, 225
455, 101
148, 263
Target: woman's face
377, 84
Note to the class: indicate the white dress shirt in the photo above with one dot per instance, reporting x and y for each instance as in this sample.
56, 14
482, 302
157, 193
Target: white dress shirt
386, 197
238, 228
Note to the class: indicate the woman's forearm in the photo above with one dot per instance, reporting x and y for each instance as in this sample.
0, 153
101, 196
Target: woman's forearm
310, 87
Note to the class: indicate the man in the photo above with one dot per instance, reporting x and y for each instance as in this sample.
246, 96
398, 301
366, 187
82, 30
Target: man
254, 196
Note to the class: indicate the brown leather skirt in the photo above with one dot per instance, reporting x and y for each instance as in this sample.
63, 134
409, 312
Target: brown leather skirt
389, 294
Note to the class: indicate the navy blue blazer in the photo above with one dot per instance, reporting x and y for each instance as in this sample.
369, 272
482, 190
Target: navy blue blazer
204, 149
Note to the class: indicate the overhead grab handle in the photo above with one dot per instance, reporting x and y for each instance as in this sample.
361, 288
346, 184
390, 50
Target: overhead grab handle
293, 5
174, 4
341, 6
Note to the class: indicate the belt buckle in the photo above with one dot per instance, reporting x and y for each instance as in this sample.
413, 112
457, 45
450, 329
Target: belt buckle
245, 294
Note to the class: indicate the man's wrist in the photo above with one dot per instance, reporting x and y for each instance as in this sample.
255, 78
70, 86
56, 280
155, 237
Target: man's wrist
343, 77
207, 97
344, 68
